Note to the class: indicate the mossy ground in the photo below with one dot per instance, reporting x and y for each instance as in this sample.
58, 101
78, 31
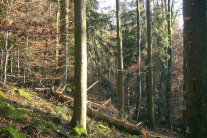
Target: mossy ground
29, 110
24, 94
12, 132
40, 117
2, 96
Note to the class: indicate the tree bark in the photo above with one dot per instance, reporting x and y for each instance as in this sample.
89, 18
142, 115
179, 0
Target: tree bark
195, 68
62, 53
121, 125
6, 56
139, 90
150, 99
120, 61
80, 97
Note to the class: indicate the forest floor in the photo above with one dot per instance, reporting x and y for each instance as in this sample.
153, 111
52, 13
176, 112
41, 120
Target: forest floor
24, 112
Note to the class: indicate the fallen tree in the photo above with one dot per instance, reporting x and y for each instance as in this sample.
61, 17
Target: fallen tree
98, 115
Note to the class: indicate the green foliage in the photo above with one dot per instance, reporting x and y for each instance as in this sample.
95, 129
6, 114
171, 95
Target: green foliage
24, 94
102, 133
79, 130
105, 128
19, 114
161, 35
56, 120
47, 131
8, 111
11, 132
2, 96
26, 114
45, 124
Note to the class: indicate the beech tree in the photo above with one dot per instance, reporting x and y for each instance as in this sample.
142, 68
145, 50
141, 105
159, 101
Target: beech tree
120, 61
80, 97
195, 68
62, 52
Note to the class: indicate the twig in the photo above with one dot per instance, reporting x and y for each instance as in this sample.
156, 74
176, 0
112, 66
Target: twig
92, 85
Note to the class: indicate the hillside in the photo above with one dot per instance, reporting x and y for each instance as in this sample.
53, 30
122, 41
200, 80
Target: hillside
26, 113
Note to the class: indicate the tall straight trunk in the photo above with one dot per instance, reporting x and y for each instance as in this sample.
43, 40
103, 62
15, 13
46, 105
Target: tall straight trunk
150, 99
57, 31
160, 106
6, 56
80, 97
195, 68
120, 61
11, 62
18, 61
2, 62
169, 71
45, 61
139, 90
62, 57
27, 45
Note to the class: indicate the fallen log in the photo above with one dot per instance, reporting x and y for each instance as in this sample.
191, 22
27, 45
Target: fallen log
121, 125
69, 101
98, 115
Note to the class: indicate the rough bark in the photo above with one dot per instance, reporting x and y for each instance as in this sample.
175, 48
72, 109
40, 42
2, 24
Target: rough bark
80, 97
195, 68
150, 100
120, 61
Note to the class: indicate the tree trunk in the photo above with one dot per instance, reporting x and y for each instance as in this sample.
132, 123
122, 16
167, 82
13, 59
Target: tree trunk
195, 68
121, 125
150, 100
25, 60
160, 103
169, 71
139, 90
58, 31
120, 61
80, 97
62, 53
6, 56
2, 62
18, 61
11, 62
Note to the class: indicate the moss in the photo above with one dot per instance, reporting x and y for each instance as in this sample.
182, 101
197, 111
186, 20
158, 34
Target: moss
2, 96
25, 111
26, 114
24, 94
56, 120
15, 102
8, 111
45, 124
11, 131
47, 131
79, 131
105, 127
102, 133
59, 128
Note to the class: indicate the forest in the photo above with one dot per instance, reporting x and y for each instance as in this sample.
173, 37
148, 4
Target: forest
100, 68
